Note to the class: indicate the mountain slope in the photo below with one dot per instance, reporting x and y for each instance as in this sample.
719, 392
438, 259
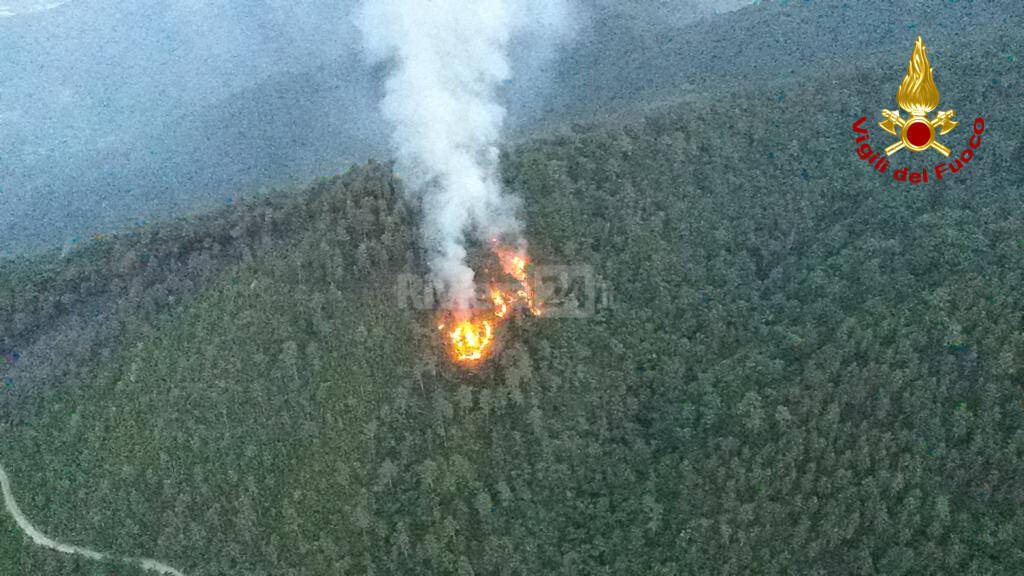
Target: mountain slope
808, 366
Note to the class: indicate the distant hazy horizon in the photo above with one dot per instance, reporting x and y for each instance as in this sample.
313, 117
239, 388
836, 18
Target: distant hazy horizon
116, 112
15, 7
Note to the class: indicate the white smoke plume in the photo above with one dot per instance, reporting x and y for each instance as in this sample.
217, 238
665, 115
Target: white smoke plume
449, 59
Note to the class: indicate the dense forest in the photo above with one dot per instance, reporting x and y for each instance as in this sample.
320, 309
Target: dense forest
808, 367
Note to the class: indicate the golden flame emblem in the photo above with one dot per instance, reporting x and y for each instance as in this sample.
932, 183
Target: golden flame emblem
918, 95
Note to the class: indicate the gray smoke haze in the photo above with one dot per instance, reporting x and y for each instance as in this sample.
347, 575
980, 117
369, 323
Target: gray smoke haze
449, 61
116, 112
15, 7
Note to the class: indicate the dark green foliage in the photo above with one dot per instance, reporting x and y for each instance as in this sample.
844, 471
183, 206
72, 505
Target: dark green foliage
809, 368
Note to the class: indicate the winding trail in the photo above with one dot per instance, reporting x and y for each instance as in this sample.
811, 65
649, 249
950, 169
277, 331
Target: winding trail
43, 540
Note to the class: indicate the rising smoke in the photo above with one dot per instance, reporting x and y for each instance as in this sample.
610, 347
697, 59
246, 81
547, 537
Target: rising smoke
448, 61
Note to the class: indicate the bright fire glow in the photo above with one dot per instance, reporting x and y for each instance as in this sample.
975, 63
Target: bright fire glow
500, 307
471, 339
515, 265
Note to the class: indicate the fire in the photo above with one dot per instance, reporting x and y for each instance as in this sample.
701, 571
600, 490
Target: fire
514, 264
471, 338
500, 307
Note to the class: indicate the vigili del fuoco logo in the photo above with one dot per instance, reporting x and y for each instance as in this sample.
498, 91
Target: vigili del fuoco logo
918, 96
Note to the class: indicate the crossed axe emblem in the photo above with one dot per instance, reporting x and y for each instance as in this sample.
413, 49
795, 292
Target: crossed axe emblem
917, 133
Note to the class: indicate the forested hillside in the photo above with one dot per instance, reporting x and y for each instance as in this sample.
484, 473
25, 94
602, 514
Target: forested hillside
808, 367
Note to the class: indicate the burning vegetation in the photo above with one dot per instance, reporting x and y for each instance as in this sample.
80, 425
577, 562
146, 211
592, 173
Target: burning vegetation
471, 340
472, 332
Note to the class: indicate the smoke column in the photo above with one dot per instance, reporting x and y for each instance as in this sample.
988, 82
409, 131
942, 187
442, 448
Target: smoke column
448, 60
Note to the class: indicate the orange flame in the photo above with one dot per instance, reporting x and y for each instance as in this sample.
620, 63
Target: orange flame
500, 307
471, 339
918, 93
514, 264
